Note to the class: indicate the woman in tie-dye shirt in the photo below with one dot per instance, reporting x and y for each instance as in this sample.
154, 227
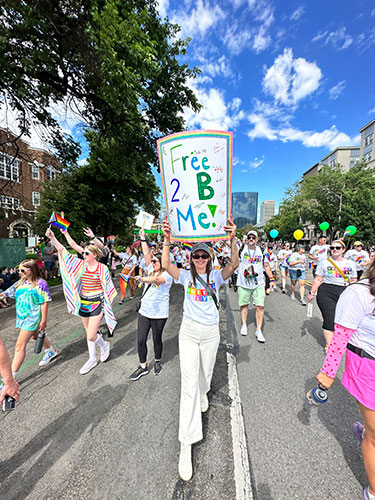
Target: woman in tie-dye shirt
32, 296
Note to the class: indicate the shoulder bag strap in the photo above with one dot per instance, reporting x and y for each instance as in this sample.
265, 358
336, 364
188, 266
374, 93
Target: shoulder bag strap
210, 292
339, 270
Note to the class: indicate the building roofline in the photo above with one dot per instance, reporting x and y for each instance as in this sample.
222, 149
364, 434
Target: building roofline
370, 123
345, 148
311, 168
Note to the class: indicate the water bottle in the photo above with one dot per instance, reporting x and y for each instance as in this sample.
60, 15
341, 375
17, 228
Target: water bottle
39, 342
317, 396
309, 313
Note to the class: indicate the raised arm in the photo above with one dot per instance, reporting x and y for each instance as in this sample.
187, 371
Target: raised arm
51, 235
145, 247
71, 242
234, 262
90, 233
165, 259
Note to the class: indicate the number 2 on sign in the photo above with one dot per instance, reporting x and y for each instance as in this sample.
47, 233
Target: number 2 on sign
178, 187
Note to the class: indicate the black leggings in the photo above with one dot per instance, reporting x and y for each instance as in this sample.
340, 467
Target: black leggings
144, 325
327, 298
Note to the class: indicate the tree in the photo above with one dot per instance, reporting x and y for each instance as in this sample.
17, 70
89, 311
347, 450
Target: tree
240, 233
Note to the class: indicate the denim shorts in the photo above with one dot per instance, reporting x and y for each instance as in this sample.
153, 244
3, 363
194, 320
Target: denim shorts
293, 273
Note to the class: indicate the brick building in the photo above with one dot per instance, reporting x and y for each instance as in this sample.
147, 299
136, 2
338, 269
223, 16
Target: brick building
23, 169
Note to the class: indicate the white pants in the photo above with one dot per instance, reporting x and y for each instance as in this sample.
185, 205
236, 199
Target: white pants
198, 346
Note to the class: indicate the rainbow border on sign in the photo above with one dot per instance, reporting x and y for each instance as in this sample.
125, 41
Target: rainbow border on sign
201, 133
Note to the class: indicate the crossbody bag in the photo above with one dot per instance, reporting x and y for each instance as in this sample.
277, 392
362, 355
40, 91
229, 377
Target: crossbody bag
210, 292
339, 271
139, 303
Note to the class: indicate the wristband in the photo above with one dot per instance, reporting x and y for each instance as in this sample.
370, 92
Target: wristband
167, 244
143, 241
272, 280
93, 237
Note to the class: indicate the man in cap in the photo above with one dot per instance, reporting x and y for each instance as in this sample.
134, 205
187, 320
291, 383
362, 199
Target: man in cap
359, 256
251, 283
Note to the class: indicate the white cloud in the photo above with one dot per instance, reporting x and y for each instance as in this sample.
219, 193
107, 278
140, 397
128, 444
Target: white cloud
200, 19
289, 80
297, 13
373, 12
215, 114
337, 90
366, 40
218, 67
262, 129
236, 39
261, 39
339, 39
162, 7
372, 111
257, 162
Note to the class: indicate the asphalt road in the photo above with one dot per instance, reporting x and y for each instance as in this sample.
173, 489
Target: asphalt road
101, 436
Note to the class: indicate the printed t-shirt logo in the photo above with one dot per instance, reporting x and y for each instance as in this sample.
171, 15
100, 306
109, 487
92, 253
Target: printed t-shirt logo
199, 294
331, 271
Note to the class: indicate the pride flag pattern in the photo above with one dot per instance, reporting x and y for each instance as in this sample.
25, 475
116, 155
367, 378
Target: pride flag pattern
58, 221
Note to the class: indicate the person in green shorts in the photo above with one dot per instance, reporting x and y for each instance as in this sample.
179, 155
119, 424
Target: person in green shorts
251, 283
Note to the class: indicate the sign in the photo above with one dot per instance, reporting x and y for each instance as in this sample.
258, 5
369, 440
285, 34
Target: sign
144, 220
196, 171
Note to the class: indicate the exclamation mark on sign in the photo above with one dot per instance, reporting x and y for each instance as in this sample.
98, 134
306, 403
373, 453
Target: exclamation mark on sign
212, 209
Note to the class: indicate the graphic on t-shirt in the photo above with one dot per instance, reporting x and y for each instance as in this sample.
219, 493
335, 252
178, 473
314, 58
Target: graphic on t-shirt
331, 271
199, 294
255, 259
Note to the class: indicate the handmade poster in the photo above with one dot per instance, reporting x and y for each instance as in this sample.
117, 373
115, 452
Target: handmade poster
144, 220
196, 171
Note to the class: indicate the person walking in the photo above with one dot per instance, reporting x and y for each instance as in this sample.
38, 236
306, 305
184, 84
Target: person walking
89, 293
297, 269
318, 252
129, 263
332, 276
199, 336
354, 334
154, 310
49, 260
359, 256
251, 283
282, 256
32, 296
270, 258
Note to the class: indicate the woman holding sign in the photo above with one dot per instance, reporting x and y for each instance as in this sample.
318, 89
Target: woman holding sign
199, 336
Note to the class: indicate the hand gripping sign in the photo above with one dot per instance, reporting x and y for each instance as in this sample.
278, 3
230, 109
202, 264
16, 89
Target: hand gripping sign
196, 170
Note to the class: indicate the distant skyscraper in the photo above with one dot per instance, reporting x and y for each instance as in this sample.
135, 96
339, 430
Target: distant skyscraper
267, 211
244, 208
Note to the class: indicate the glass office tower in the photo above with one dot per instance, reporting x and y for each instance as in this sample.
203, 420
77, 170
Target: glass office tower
244, 208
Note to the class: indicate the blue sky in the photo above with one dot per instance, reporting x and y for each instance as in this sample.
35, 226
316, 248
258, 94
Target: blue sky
293, 80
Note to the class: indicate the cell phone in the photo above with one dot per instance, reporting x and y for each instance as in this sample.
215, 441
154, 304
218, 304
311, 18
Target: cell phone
9, 403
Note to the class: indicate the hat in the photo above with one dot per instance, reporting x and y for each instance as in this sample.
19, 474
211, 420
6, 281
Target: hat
252, 232
358, 243
201, 246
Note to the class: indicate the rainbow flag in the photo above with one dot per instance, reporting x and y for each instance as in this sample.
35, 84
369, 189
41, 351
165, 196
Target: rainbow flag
188, 245
125, 277
58, 221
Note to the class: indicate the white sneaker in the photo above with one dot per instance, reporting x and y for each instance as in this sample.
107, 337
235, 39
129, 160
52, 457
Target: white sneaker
204, 403
185, 467
105, 352
259, 335
243, 330
89, 365
293, 297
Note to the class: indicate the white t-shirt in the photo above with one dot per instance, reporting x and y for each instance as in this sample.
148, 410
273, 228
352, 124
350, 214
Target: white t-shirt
271, 259
355, 310
142, 264
283, 255
155, 303
250, 260
358, 258
300, 259
129, 261
198, 305
320, 252
331, 276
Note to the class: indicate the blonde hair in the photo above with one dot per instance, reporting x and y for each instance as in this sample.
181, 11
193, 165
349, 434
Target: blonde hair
342, 243
93, 249
35, 273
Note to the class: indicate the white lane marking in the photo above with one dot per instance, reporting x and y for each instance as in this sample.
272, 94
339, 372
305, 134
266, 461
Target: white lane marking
241, 458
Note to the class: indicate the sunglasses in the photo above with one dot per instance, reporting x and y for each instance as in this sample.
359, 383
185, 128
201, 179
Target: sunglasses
155, 261
358, 245
22, 271
86, 253
336, 248
252, 237
203, 256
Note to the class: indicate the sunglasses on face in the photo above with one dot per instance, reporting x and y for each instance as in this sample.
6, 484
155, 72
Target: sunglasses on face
336, 248
203, 256
155, 261
86, 253
357, 245
22, 271
252, 237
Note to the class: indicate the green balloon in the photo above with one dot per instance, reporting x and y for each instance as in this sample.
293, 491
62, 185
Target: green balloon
324, 226
351, 230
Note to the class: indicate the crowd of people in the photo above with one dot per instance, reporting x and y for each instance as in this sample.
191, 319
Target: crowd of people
346, 304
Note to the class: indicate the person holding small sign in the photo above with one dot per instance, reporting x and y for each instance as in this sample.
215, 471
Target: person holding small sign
199, 335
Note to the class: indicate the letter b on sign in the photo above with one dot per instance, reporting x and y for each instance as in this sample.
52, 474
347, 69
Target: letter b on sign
205, 191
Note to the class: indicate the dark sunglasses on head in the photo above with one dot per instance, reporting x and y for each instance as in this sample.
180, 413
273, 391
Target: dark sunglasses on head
86, 253
203, 256
339, 247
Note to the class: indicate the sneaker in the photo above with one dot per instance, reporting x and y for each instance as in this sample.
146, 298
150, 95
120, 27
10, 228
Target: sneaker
89, 365
283, 290
204, 403
358, 430
259, 335
293, 297
105, 352
158, 367
121, 301
185, 467
132, 297
139, 372
268, 291
367, 495
243, 330
52, 353
303, 303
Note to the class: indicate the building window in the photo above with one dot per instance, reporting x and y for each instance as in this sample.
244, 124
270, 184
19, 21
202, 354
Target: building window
369, 139
9, 202
51, 173
332, 163
9, 168
36, 198
35, 172
367, 156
